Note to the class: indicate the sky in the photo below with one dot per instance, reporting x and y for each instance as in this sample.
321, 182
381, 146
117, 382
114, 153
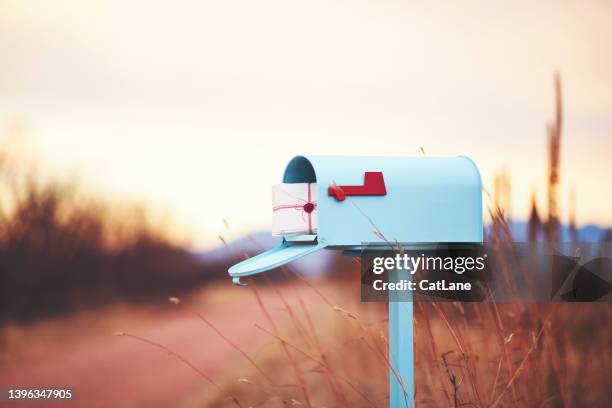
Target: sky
195, 107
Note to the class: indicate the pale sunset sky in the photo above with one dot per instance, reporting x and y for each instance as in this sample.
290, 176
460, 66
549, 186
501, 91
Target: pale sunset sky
195, 107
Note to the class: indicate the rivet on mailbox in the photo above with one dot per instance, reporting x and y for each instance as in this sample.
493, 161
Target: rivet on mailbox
410, 199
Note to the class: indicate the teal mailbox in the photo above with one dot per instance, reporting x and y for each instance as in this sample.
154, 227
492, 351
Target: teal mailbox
362, 200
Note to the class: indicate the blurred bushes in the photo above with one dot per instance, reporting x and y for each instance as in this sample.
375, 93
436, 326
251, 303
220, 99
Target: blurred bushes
60, 251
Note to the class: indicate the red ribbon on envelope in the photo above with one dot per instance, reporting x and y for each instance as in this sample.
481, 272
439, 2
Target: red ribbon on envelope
307, 208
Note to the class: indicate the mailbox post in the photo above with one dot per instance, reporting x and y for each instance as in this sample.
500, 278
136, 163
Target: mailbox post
407, 199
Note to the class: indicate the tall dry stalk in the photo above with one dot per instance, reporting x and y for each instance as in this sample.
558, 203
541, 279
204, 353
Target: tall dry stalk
554, 158
572, 217
293, 362
502, 192
535, 224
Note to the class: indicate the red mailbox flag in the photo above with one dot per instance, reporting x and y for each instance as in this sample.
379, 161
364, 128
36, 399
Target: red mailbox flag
373, 185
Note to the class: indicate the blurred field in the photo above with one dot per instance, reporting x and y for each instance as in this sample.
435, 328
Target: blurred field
108, 370
63, 251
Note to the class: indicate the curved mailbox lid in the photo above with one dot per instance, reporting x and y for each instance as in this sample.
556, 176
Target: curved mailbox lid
273, 258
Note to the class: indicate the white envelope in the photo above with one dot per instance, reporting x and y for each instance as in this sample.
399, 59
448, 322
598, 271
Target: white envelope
294, 209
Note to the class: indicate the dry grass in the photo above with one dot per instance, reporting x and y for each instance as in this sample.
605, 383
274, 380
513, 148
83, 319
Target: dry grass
470, 354
313, 363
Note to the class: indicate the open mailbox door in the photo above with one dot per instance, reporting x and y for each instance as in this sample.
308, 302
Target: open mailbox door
363, 200
273, 258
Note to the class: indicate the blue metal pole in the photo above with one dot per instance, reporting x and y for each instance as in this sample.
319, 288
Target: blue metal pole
401, 347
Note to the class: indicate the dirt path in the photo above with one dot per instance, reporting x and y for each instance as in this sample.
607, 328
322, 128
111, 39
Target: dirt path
110, 371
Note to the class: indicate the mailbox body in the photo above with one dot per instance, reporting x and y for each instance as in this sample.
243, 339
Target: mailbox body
427, 200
